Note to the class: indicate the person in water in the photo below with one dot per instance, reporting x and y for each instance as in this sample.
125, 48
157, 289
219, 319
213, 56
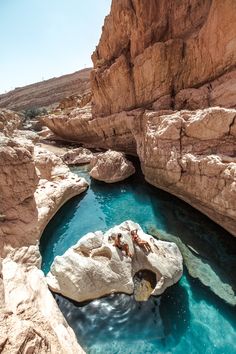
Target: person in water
141, 243
119, 243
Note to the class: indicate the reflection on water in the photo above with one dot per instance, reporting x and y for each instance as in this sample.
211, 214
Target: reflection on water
119, 320
187, 315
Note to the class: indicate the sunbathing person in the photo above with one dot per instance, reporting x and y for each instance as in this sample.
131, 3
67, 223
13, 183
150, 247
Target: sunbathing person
141, 243
122, 245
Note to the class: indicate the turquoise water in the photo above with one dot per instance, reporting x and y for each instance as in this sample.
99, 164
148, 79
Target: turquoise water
188, 317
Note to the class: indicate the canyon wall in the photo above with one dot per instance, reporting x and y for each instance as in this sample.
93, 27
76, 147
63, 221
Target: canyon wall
165, 54
33, 185
164, 88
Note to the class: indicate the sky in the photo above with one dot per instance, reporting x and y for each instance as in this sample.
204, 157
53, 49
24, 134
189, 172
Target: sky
40, 39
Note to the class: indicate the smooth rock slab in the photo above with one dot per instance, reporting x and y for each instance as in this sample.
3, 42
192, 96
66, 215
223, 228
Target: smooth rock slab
110, 167
94, 267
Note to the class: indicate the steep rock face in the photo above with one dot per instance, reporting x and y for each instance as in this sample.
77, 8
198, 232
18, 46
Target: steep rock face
192, 154
168, 51
33, 185
152, 61
188, 153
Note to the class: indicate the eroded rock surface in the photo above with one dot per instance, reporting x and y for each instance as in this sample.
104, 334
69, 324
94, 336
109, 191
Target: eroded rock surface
188, 153
170, 61
181, 54
34, 183
192, 154
77, 156
111, 167
95, 267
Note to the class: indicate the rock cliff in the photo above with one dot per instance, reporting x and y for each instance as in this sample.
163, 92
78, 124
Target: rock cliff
165, 54
163, 88
33, 185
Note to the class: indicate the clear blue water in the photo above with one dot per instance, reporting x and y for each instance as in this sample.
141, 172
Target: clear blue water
188, 317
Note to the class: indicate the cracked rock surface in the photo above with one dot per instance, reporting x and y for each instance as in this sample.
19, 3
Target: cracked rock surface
191, 154
34, 183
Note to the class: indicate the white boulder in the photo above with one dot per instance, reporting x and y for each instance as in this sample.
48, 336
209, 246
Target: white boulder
94, 267
111, 167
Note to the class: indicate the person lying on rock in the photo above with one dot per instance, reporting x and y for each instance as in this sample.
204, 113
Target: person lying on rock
141, 243
119, 243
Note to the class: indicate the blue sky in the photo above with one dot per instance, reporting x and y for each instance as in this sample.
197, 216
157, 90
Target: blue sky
40, 39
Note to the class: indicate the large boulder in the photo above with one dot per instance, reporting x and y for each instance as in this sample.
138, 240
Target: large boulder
110, 167
94, 267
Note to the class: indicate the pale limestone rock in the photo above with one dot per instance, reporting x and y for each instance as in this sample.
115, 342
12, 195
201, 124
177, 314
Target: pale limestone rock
94, 267
9, 122
170, 145
164, 56
72, 125
45, 133
191, 155
30, 318
111, 167
77, 156
34, 183
210, 124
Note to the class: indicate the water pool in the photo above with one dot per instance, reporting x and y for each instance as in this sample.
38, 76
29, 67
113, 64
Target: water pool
189, 317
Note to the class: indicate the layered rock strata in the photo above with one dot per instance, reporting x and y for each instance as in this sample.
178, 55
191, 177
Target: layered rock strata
165, 54
111, 167
94, 267
157, 69
191, 154
33, 185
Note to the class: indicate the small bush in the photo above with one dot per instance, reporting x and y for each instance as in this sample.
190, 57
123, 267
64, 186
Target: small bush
34, 112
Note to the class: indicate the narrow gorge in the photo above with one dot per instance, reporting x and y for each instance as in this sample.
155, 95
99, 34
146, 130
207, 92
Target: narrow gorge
149, 144
163, 88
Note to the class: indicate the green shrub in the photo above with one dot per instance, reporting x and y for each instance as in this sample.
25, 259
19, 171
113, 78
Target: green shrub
34, 112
